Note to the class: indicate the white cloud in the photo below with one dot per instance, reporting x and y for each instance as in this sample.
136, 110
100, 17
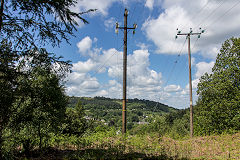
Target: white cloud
139, 73
172, 88
81, 84
162, 30
84, 67
102, 6
110, 24
142, 82
211, 52
84, 45
185, 14
91, 85
149, 4
203, 67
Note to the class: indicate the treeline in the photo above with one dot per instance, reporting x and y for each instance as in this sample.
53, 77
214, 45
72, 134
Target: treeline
109, 103
110, 110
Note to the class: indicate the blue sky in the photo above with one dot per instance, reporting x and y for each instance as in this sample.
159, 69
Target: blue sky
157, 63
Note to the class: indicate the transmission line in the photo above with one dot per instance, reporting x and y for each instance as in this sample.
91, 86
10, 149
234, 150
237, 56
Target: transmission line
211, 13
197, 13
175, 62
227, 11
104, 63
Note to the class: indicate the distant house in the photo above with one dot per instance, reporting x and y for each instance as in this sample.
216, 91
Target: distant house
142, 122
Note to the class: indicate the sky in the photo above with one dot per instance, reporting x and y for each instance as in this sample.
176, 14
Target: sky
157, 62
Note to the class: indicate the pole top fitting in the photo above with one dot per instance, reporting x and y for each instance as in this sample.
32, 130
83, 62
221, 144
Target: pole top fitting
126, 12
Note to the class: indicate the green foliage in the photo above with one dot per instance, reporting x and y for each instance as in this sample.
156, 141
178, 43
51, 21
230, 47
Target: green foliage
173, 124
8, 85
40, 109
75, 123
180, 128
218, 107
31, 22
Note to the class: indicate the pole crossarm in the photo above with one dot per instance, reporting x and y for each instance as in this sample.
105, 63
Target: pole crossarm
180, 34
126, 28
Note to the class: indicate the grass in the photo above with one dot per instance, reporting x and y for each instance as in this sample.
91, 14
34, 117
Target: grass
153, 146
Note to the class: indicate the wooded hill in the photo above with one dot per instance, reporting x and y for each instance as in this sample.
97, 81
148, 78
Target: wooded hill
109, 110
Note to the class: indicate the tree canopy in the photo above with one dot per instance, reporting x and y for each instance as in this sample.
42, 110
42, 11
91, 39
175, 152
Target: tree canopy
29, 23
218, 106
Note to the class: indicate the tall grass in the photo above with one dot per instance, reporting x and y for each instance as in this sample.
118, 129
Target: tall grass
110, 145
154, 145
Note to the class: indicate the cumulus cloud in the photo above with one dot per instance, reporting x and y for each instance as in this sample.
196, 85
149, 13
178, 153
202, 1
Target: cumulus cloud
194, 85
162, 30
84, 45
184, 14
142, 81
149, 4
203, 67
172, 88
110, 24
84, 67
81, 84
102, 6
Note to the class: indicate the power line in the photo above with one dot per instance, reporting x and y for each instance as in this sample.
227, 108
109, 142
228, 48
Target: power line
175, 62
198, 12
227, 11
142, 10
211, 13
103, 65
181, 66
132, 15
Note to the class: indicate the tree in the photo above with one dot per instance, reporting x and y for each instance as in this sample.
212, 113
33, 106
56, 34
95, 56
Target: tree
40, 108
218, 106
30, 23
8, 83
75, 123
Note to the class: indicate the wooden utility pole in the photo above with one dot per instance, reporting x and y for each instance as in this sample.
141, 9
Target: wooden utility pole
190, 74
124, 105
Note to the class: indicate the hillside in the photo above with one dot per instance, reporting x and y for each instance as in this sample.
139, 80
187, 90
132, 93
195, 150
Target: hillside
109, 110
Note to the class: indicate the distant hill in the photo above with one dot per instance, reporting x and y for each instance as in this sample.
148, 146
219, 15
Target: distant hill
110, 110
